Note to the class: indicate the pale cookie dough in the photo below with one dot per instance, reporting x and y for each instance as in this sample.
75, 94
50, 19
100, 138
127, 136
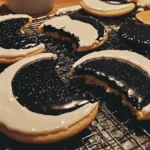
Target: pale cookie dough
100, 8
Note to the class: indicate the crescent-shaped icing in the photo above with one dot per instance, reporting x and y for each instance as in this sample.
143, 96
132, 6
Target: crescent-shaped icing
17, 52
103, 6
18, 118
133, 58
74, 27
13, 16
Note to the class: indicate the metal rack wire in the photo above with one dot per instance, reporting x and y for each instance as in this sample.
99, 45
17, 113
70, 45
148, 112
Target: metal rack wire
108, 131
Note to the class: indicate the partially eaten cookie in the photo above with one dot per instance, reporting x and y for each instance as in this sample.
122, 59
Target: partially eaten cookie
85, 33
123, 73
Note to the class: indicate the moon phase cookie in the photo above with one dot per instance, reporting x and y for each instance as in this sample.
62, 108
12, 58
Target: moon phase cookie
107, 8
85, 33
122, 73
14, 45
36, 106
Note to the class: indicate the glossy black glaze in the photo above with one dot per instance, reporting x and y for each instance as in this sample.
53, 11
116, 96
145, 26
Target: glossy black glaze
129, 76
90, 20
115, 2
135, 32
11, 37
38, 87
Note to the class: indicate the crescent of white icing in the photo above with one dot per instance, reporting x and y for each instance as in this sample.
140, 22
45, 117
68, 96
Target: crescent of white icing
86, 32
102, 6
17, 52
18, 118
131, 57
12, 16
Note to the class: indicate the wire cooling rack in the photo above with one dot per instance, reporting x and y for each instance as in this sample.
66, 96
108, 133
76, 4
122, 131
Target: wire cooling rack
114, 128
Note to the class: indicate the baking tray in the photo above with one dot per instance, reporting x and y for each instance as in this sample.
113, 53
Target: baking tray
114, 128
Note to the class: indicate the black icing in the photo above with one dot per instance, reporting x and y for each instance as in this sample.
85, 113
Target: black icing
135, 32
61, 32
11, 36
38, 87
115, 2
130, 77
94, 22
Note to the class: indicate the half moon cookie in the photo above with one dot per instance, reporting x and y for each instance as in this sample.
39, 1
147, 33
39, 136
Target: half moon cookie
14, 45
36, 106
107, 8
121, 72
85, 33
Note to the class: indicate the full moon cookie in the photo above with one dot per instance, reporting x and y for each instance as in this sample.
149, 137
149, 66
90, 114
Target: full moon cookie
14, 45
122, 73
85, 33
107, 8
36, 106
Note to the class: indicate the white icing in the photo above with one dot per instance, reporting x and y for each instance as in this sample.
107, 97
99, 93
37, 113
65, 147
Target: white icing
67, 9
131, 57
12, 16
87, 33
102, 6
18, 118
20, 52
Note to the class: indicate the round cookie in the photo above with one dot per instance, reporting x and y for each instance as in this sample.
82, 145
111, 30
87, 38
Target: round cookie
14, 44
123, 73
36, 105
144, 17
85, 33
104, 9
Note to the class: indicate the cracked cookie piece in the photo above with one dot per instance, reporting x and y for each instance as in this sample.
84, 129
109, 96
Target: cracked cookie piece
37, 106
14, 44
123, 73
107, 8
85, 33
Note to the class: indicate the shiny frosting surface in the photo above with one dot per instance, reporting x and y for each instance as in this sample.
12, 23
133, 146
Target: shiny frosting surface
31, 122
